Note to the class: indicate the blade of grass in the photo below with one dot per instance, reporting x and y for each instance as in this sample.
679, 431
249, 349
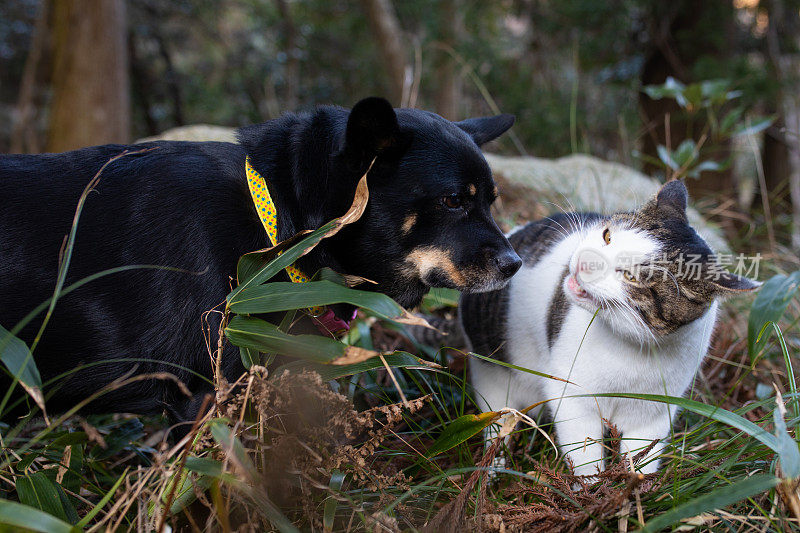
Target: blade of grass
716, 413
717, 499
64, 262
329, 514
236, 452
103, 501
6, 339
63, 267
789, 368
520, 368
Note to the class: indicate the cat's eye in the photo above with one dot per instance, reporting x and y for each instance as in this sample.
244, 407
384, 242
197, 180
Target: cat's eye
628, 276
607, 236
453, 201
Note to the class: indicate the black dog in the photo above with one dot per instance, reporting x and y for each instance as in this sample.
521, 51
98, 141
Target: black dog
187, 205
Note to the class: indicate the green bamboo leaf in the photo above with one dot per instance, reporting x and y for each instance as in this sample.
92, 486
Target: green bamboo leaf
717, 499
787, 359
72, 477
329, 372
253, 263
208, 470
186, 495
770, 303
438, 298
460, 430
39, 491
258, 267
204, 465
249, 356
16, 356
715, 413
232, 445
259, 335
24, 517
283, 296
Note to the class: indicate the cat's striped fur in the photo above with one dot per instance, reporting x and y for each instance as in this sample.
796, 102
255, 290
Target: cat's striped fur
606, 303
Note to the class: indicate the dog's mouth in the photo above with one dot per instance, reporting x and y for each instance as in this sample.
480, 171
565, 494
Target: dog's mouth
475, 282
435, 268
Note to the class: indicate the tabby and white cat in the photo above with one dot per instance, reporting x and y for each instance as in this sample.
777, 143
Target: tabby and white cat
613, 304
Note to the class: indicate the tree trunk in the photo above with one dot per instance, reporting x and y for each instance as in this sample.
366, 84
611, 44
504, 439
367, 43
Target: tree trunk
292, 73
784, 21
91, 97
24, 137
448, 92
383, 21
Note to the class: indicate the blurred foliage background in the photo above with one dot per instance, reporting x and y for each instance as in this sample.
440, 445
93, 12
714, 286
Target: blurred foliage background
81, 72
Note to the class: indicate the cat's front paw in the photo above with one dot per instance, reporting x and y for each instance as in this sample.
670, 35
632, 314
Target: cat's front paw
498, 463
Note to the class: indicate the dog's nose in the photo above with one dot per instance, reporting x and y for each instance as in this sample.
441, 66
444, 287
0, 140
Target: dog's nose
508, 263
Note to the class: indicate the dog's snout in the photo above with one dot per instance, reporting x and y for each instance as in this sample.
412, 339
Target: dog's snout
508, 263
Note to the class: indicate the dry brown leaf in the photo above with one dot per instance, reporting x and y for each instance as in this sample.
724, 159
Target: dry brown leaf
38, 397
411, 319
354, 354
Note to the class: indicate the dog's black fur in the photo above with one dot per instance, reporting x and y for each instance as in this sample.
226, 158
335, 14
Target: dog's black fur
187, 205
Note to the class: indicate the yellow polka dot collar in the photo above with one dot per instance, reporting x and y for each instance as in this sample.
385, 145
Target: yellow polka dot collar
325, 319
268, 214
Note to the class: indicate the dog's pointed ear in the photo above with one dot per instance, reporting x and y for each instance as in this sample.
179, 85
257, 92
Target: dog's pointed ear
484, 129
372, 130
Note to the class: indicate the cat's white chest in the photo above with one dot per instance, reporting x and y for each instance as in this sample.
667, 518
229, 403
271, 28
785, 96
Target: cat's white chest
593, 357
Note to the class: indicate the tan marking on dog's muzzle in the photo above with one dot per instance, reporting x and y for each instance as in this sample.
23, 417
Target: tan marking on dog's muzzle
426, 258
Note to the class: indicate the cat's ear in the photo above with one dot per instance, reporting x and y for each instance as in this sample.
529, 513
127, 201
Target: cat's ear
484, 129
372, 130
728, 284
673, 196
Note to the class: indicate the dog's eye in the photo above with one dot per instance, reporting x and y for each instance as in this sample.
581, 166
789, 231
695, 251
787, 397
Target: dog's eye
452, 201
607, 235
